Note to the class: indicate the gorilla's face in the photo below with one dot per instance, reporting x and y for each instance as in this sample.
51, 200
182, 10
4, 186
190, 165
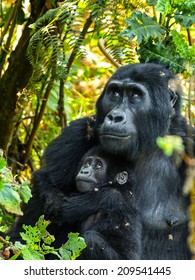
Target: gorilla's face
92, 174
122, 101
132, 112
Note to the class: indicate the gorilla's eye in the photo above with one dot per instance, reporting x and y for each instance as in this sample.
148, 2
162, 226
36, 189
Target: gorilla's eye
135, 96
116, 93
86, 163
98, 165
113, 92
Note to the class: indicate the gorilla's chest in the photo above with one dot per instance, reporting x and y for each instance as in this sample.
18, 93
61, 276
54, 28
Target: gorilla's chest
163, 215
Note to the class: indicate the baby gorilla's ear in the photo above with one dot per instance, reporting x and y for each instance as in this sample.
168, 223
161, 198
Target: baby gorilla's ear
122, 177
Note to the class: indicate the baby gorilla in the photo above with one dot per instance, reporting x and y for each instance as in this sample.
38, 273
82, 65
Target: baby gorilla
114, 230
92, 175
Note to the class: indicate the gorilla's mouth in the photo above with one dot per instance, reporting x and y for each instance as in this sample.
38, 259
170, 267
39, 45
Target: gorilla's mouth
116, 136
86, 181
85, 185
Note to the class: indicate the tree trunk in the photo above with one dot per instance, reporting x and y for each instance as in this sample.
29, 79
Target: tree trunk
15, 79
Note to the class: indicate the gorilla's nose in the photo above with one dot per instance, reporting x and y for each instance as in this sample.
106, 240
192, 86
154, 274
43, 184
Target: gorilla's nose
116, 117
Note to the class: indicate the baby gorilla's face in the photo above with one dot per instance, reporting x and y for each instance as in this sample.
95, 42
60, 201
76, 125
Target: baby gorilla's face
92, 174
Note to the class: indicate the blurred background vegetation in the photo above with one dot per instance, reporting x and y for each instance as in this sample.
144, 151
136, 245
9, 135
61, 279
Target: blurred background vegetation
56, 56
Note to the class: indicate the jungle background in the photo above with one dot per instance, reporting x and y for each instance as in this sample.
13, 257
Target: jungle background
55, 58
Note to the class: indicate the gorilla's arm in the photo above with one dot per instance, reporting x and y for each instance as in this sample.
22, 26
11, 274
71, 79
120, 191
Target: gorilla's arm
63, 154
107, 200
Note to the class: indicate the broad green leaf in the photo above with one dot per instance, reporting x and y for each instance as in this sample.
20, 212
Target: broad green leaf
75, 244
165, 55
41, 226
186, 5
180, 43
31, 234
24, 192
164, 7
64, 253
142, 27
29, 254
10, 200
37, 233
185, 18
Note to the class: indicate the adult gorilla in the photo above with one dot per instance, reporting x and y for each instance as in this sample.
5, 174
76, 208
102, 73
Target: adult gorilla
136, 106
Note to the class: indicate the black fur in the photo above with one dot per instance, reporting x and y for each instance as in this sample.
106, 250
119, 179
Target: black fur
114, 230
158, 185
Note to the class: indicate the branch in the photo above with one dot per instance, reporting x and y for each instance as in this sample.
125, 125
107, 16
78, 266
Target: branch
189, 37
107, 55
62, 114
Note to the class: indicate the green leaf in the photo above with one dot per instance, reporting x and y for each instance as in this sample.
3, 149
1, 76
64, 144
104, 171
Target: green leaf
75, 244
180, 43
151, 2
42, 225
170, 143
64, 253
1, 185
10, 200
29, 254
31, 234
142, 27
34, 235
164, 54
2, 163
3, 228
164, 7
49, 239
25, 192
185, 18
47, 249
184, 5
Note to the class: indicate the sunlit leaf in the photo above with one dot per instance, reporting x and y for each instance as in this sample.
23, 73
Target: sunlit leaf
142, 27
10, 200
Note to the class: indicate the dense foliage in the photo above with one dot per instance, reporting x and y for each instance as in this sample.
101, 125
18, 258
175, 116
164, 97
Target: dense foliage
72, 49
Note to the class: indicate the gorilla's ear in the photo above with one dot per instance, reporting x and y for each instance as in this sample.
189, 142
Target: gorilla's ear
122, 177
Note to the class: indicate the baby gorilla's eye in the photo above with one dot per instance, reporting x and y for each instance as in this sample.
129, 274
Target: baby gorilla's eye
135, 95
98, 166
86, 163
